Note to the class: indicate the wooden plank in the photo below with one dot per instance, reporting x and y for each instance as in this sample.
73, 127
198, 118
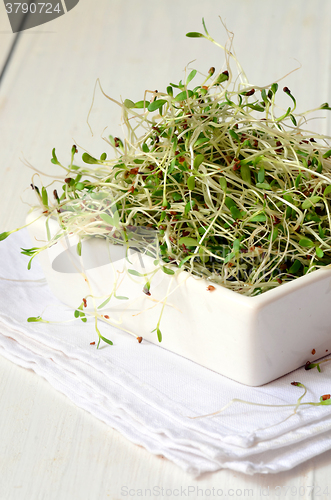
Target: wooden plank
53, 449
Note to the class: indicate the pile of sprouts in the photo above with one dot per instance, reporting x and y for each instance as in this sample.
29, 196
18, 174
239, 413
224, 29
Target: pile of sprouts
237, 190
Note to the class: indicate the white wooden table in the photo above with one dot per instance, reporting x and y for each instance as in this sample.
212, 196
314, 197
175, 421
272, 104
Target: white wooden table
49, 449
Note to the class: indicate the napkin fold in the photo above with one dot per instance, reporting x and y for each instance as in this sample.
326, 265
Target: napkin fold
155, 398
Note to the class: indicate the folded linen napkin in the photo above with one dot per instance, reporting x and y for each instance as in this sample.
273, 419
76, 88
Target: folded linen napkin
151, 395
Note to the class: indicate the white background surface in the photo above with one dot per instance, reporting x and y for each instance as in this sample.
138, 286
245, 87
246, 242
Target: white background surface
49, 449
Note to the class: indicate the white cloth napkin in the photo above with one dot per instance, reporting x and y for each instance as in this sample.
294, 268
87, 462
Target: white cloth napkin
148, 393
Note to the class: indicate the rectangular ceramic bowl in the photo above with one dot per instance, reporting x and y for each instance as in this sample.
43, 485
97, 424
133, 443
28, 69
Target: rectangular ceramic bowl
252, 340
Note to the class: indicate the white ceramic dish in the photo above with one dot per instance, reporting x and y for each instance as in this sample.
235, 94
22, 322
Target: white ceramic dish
252, 340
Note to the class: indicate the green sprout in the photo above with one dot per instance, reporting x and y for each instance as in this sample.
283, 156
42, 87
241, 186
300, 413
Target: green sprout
237, 190
324, 400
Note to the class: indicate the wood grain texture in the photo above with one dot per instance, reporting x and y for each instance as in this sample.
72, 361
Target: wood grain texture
49, 449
